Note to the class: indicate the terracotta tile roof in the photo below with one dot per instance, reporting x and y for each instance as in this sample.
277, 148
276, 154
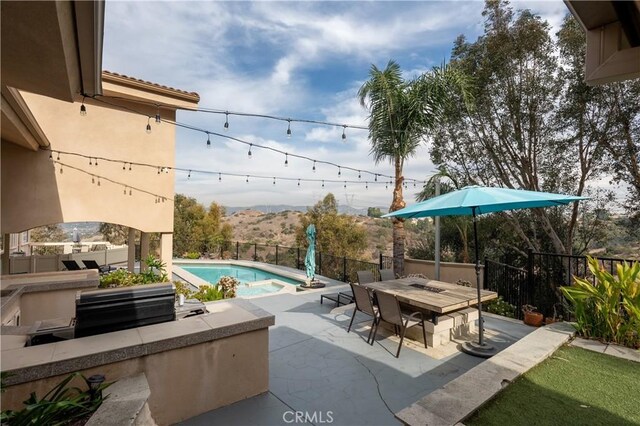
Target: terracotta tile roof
140, 81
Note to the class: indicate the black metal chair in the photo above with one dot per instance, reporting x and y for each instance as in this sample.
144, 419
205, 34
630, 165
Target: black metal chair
364, 303
365, 277
390, 312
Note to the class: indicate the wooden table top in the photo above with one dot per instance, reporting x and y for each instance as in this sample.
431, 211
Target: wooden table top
436, 296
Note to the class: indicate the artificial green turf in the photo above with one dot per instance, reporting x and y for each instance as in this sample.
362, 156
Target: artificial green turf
573, 387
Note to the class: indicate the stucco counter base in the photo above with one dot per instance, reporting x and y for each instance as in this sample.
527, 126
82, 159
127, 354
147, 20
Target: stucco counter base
192, 365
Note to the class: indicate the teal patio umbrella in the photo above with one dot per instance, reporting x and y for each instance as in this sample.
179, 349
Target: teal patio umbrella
474, 201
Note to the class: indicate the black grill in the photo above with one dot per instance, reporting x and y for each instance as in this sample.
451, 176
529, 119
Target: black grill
104, 311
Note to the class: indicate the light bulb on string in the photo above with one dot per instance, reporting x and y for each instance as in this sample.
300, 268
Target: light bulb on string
129, 166
208, 140
274, 180
61, 169
376, 177
98, 180
359, 175
219, 177
90, 161
95, 163
124, 166
249, 153
93, 180
50, 155
323, 183
286, 160
226, 120
314, 166
339, 171
298, 182
158, 170
386, 186
366, 185
289, 128
247, 179
344, 134
148, 125
189, 175
83, 109
130, 192
158, 119
124, 191
414, 183
58, 159
345, 184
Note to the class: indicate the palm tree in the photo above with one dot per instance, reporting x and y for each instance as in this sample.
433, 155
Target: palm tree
401, 114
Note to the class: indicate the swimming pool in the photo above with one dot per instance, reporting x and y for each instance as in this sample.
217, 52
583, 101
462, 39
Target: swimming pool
246, 275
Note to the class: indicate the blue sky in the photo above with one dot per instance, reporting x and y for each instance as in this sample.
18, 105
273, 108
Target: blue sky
289, 59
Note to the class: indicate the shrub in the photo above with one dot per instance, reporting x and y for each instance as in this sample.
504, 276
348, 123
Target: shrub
228, 285
192, 255
155, 273
609, 309
208, 293
61, 406
500, 307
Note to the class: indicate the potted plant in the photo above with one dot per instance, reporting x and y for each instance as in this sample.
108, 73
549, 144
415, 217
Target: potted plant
531, 317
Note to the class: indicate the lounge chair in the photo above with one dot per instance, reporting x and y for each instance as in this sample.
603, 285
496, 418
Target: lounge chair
92, 264
387, 275
71, 265
364, 304
389, 311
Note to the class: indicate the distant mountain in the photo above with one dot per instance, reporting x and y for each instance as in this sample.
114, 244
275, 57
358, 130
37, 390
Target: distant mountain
279, 208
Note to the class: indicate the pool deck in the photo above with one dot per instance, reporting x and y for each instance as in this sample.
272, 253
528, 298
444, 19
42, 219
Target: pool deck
318, 369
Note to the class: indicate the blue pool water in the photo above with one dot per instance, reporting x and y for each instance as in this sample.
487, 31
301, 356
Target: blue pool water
213, 273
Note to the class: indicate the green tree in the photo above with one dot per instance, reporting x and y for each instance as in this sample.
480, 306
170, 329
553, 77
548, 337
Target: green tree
374, 212
214, 232
535, 125
401, 114
115, 234
337, 234
196, 229
48, 234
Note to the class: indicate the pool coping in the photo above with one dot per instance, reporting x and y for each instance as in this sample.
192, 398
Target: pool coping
286, 272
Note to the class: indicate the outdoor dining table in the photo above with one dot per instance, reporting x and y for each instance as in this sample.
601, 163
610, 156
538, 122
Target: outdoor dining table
437, 297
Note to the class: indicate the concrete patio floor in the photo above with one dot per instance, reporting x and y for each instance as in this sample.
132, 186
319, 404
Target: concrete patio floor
331, 376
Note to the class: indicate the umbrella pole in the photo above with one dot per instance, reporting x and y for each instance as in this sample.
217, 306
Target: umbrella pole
475, 241
479, 349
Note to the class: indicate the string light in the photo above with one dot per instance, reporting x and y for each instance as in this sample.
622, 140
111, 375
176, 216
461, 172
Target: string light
249, 153
298, 182
58, 159
345, 185
90, 161
51, 156
83, 109
226, 120
227, 113
93, 180
219, 177
189, 176
148, 124
158, 119
129, 166
247, 178
61, 169
359, 175
323, 184
289, 129
339, 171
124, 166
314, 166
208, 141
344, 135
95, 163
366, 186
274, 180
130, 191
98, 180
286, 160
125, 191
376, 178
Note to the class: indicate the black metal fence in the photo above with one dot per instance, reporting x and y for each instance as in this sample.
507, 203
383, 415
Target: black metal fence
539, 283
338, 268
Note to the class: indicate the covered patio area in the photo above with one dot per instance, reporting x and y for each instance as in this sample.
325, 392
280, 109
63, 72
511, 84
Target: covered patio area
322, 374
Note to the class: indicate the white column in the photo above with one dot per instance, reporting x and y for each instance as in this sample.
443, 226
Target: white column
131, 252
144, 250
166, 252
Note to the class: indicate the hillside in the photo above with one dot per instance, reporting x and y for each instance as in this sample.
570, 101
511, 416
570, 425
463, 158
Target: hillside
280, 228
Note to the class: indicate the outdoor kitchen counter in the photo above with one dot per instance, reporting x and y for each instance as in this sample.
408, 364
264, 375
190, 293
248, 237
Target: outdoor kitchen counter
225, 318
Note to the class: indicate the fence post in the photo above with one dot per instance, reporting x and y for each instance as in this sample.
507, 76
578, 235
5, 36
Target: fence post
530, 277
298, 259
344, 269
255, 252
221, 251
380, 265
237, 250
319, 263
485, 275
276, 254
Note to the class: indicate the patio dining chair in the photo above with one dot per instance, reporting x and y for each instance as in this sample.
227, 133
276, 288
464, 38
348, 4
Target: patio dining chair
71, 265
390, 312
387, 275
364, 303
365, 277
